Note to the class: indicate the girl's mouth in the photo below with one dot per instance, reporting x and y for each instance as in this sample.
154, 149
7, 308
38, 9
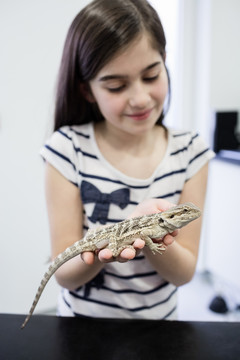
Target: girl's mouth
143, 115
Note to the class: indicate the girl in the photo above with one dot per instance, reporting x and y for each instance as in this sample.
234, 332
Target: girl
110, 152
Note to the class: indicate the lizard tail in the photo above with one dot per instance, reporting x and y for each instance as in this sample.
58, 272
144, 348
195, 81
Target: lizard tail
68, 254
44, 282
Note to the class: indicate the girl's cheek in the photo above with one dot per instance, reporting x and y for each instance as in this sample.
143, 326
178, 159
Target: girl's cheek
160, 92
115, 104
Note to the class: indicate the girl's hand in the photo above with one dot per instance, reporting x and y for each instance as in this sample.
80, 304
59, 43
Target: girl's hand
146, 207
105, 255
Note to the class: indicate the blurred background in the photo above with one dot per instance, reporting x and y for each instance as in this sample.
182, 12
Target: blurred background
203, 57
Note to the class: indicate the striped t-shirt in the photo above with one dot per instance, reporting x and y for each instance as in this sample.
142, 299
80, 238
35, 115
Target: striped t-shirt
133, 289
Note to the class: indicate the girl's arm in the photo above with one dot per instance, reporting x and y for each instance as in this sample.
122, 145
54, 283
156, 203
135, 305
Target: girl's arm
65, 219
177, 265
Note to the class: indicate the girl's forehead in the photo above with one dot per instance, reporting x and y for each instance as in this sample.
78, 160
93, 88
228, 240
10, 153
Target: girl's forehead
138, 55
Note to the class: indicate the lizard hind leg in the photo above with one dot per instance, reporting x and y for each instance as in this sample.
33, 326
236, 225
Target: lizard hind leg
117, 251
117, 247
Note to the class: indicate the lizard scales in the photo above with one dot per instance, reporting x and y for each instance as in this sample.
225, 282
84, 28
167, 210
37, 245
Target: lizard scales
122, 235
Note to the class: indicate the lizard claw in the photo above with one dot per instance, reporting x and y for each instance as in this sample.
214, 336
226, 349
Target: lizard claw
157, 248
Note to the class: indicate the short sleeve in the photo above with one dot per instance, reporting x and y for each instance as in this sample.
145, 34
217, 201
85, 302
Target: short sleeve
199, 154
61, 153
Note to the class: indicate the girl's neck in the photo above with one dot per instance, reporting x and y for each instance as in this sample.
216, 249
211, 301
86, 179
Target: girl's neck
139, 144
135, 156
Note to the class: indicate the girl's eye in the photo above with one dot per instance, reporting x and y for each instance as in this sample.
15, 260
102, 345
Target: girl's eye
116, 89
151, 78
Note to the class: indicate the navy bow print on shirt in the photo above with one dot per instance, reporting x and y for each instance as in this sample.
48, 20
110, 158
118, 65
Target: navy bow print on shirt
91, 194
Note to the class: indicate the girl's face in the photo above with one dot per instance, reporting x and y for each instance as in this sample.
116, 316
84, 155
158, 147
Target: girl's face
131, 89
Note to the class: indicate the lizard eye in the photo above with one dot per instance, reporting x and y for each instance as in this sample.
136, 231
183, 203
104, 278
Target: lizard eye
172, 216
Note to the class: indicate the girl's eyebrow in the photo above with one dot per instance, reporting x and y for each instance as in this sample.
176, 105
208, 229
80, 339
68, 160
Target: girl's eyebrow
117, 76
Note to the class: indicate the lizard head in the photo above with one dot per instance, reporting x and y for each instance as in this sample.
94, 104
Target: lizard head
180, 215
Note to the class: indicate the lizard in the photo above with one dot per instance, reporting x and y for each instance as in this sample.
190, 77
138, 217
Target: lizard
121, 235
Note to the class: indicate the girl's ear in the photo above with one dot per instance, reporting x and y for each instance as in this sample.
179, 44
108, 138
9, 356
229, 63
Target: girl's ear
86, 92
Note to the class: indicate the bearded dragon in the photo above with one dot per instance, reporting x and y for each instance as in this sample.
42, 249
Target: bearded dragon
120, 236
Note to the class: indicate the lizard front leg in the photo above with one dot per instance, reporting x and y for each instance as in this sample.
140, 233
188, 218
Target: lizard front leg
154, 247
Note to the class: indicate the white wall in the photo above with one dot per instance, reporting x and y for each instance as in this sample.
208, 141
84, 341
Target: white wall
225, 55
210, 60
31, 40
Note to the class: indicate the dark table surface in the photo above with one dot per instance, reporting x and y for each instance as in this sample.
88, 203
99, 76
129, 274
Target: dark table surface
49, 337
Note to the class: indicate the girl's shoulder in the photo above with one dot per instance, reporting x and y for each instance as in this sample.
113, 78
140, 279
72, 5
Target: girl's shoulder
184, 141
65, 149
189, 149
72, 131
179, 136
70, 136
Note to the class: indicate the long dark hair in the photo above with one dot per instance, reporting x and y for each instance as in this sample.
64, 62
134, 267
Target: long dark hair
96, 34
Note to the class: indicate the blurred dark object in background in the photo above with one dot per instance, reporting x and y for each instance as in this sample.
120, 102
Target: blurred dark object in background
225, 134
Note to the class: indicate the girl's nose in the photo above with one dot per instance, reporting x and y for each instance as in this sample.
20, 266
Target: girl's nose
139, 97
